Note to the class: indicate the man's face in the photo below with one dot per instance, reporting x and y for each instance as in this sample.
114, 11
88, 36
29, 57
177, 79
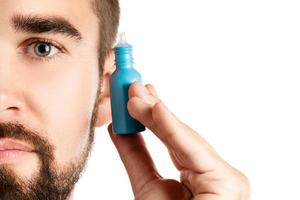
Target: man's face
48, 87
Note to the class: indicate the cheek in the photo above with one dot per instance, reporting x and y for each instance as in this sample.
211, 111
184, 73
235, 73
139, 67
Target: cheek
63, 101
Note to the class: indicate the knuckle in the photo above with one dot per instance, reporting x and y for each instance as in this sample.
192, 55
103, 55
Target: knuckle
240, 185
245, 186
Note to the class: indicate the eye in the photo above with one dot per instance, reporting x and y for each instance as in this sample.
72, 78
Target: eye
42, 49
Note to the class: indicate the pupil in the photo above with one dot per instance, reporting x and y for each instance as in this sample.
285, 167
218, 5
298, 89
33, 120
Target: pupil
42, 49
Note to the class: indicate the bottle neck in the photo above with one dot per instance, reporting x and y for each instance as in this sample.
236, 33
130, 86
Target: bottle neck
123, 56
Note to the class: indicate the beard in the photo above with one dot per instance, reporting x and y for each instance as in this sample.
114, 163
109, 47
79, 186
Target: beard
51, 182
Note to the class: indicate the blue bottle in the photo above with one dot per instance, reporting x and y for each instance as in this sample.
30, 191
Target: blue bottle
121, 79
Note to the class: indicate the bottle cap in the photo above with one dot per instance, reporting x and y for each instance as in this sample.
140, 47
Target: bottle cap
122, 39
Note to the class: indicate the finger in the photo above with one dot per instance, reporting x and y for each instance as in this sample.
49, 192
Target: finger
200, 183
136, 159
192, 151
138, 104
207, 197
151, 89
188, 147
137, 89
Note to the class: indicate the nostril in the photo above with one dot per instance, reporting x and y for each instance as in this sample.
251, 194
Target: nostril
13, 108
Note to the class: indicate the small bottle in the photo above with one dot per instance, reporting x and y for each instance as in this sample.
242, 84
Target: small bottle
121, 79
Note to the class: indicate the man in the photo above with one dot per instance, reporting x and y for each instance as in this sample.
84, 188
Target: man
55, 64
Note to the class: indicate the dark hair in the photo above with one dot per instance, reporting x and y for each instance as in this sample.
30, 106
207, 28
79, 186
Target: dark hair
108, 12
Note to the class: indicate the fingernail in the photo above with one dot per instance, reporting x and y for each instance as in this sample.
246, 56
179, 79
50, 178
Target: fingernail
145, 93
145, 90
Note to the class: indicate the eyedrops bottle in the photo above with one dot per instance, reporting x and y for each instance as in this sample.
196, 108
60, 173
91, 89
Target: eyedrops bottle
121, 79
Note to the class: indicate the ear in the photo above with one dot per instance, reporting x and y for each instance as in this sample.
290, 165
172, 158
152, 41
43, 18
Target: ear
104, 109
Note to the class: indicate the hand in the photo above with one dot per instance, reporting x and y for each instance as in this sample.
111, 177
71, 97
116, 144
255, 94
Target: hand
204, 175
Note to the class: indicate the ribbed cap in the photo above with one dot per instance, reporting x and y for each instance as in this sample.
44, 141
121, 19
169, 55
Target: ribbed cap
123, 53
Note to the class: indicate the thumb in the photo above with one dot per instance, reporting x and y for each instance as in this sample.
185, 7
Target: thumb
136, 158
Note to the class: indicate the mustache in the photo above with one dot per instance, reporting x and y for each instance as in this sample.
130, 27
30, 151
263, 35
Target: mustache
18, 131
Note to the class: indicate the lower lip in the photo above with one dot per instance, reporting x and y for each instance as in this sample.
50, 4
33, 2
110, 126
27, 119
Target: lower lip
13, 156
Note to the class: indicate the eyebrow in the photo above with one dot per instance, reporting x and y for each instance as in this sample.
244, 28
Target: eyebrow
44, 24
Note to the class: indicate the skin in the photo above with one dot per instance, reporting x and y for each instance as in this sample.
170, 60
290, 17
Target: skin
204, 175
57, 96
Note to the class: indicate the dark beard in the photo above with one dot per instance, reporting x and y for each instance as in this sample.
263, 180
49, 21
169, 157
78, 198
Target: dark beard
48, 185
51, 182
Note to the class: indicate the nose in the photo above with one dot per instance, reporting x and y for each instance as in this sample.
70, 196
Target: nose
11, 85
8, 106
4, 103
10, 94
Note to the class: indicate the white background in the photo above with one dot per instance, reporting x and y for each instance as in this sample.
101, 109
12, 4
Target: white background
230, 70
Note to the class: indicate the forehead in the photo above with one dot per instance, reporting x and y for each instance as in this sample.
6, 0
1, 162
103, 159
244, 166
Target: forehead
77, 12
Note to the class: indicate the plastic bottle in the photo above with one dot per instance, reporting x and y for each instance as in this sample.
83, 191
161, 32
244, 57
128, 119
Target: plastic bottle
121, 79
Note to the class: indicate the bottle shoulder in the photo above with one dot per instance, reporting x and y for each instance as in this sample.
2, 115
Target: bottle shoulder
126, 74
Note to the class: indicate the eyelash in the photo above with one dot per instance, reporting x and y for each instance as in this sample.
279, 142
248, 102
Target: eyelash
34, 41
